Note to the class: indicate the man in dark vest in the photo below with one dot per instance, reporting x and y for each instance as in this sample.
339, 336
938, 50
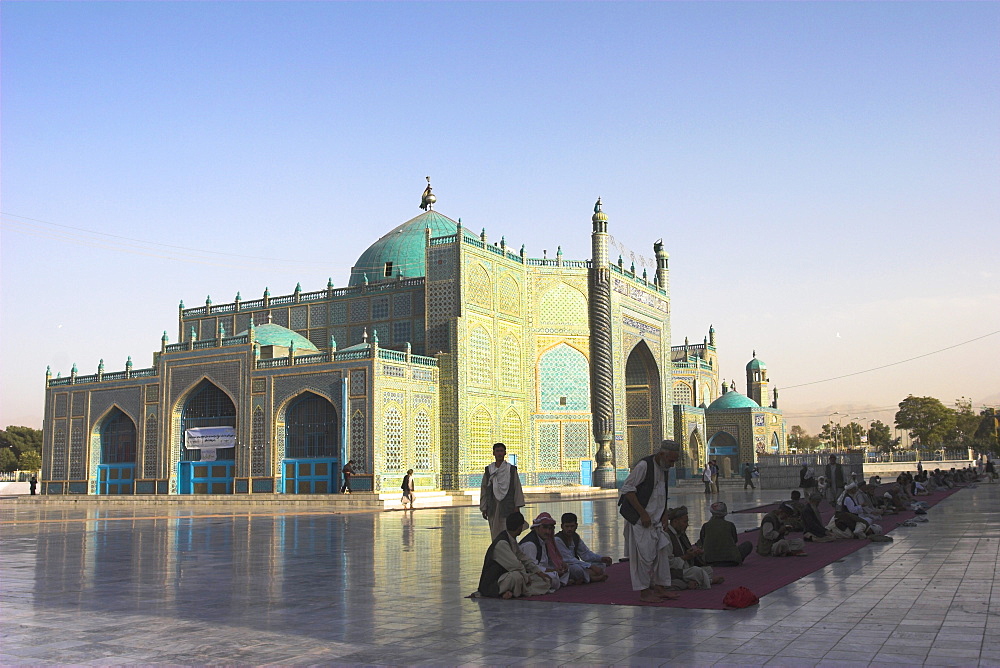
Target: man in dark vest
719, 539
643, 504
835, 479
507, 572
687, 567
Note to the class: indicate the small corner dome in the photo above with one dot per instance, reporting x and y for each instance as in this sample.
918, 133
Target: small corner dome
403, 247
733, 399
755, 365
276, 335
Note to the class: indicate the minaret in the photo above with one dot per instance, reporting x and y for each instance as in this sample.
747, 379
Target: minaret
601, 378
757, 381
662, 261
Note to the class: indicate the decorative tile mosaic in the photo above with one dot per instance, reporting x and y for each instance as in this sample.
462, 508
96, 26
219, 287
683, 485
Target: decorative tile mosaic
563, 305
401, 332
258, 385
359, 384
359, 309
510, 363
512, 435
564, 380
242, 322
510, 296
479, 288
77, 452
280, 317
422, 374
393, 439
79, 404
129, 399
150, 460
401, 306
258, 444
576, 440
380, 307
480, 357
299, 317
392, 395
422, 442
152, 393
206, 329
224, 374
548, 446
58, 467
317, 315
62, 404
480, 451
338, 313
441, 301
359, 443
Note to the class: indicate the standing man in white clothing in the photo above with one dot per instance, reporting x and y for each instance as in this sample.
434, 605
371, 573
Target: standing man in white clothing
500, 493
643, 504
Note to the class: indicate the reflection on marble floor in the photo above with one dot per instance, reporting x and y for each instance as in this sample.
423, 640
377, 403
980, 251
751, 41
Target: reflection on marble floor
152, 585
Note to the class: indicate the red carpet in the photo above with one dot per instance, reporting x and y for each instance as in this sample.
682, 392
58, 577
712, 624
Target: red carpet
762, 575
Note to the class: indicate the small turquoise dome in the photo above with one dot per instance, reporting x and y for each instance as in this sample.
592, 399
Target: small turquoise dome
276, 335
733, 399
755, 364
404, 247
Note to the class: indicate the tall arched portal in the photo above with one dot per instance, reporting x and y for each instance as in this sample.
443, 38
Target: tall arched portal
312, 446
725, 450
208, 419
642, 403
116, 471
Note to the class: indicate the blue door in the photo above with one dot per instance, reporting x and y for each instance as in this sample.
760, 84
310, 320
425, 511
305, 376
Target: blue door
310, 476
205, 477
115, 478
586, 472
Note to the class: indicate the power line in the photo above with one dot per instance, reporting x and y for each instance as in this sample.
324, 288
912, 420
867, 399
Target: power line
886, 366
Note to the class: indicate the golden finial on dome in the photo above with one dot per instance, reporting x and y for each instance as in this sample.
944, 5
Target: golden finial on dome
428, 199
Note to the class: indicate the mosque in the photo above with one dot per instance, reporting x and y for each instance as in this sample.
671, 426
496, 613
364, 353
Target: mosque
441, 344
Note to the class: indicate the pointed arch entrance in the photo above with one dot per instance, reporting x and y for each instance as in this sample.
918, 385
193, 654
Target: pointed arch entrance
696, 449
725, 450
207, 470
312, 446
642, 403
116, 472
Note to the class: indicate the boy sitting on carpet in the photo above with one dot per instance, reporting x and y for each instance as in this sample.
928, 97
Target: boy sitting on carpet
584, 565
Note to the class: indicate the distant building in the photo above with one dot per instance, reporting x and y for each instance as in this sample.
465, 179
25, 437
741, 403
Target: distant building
441, 344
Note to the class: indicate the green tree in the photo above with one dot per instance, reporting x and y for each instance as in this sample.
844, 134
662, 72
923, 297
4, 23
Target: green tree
966, 422
29, 461
880, 437
926, 418
830, 436
800, 440
8, 460
21, 439
986, 435
851, 434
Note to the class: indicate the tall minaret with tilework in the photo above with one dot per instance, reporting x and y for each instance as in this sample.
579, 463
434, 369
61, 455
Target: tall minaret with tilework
601, 378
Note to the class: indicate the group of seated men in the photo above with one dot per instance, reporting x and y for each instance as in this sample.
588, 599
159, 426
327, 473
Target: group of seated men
543, 561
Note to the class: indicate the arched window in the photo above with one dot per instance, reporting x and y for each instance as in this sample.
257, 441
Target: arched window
118, 439
310, 428
208, 406
480, 357
564, 380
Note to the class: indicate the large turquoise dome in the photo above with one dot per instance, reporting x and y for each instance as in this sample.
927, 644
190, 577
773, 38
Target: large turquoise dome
276, 335
403, 247
733, 399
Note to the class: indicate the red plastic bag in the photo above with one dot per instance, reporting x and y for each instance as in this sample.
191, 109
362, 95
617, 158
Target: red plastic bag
741, 597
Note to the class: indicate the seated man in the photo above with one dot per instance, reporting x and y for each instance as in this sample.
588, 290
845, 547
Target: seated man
584, 565
812, 526
539, 546
507, 573
797, 504
772, 541
718, 539
687, 568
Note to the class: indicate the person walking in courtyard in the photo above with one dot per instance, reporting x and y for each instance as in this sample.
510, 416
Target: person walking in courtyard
33, 485
706, 477
348, 471
715, 476
500, 493
748, 476
643, 504
407, 487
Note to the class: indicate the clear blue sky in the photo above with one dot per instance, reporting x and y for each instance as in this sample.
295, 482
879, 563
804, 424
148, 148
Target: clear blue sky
826, 177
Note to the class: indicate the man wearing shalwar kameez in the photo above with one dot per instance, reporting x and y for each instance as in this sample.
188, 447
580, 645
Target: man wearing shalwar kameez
687, 568
507, 572
500, 493
643, 503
